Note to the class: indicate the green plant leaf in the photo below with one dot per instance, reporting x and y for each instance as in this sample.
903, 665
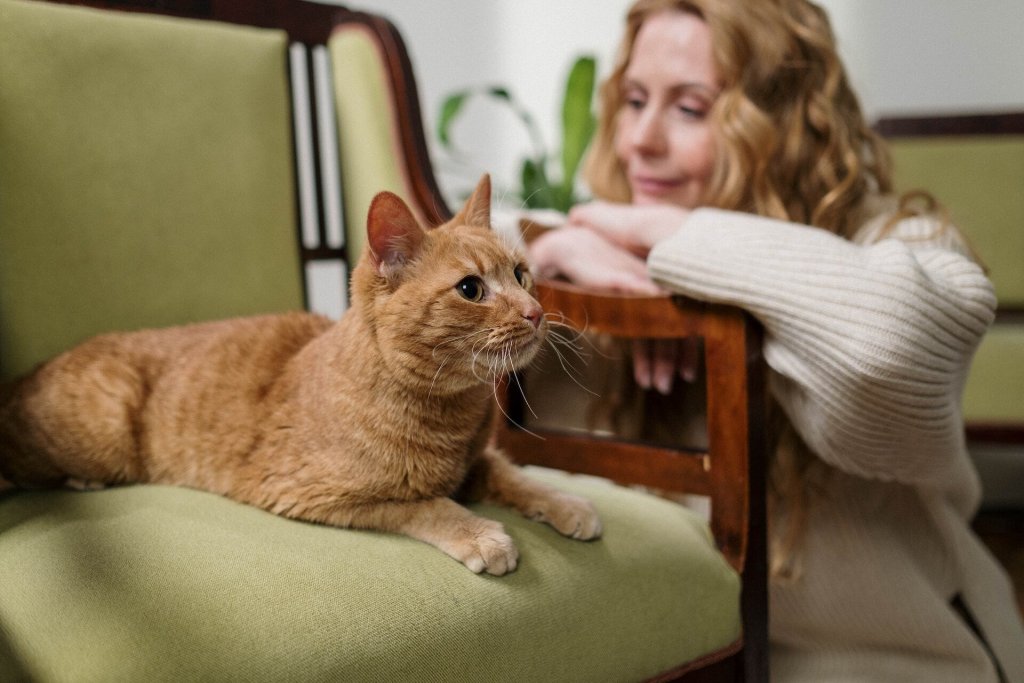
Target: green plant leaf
536, 190
578, 120
450, 108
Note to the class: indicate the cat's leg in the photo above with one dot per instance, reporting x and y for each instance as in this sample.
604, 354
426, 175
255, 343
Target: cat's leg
480, 544
495, 479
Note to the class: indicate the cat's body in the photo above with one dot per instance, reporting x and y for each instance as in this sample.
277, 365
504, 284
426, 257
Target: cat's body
377, 421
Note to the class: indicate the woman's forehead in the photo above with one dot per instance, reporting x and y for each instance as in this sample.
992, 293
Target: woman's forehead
673, 48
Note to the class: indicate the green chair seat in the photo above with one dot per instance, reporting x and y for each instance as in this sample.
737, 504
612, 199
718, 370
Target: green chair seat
152, 583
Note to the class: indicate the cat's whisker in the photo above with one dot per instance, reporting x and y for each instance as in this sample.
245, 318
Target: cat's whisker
556, 339
497, 401
474, 365
571, 370
454, 340
437, 374
578, 334
522, 392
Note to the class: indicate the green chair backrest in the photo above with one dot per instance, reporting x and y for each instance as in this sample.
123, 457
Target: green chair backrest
974, 165
146, 175
981, 181
366, 126
379, 126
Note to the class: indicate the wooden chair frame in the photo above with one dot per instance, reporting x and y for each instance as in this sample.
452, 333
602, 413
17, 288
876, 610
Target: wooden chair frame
731, 471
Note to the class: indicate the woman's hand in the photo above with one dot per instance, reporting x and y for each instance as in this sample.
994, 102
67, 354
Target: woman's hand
604, 246
635, 228
588, 259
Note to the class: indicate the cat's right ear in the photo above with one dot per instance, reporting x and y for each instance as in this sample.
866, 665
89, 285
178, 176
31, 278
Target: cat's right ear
394, 235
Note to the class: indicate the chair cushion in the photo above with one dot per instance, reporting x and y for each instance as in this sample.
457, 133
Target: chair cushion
158, 583
146, 177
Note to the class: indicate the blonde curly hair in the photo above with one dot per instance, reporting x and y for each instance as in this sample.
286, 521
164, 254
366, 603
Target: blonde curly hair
791, 139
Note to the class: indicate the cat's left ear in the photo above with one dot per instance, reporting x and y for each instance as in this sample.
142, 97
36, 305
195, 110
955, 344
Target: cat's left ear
477, 210
393, 233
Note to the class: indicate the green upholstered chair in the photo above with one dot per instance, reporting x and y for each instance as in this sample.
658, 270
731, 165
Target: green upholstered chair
159, 169
974, 165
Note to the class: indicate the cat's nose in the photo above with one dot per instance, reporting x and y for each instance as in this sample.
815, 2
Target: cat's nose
534, 315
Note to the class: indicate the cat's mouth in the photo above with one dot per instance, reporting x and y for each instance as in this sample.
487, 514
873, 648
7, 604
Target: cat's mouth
517, 351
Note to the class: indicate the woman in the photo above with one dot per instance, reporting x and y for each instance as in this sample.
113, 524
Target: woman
735, 166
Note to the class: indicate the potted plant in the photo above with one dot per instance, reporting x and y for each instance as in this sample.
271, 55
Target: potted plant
539, 188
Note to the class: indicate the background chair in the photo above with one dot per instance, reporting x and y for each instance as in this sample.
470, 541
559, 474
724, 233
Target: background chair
974, 165
168, 169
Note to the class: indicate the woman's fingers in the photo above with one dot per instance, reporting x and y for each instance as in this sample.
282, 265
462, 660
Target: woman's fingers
656, 362
688, 359
589, 260
632, 227
642, 365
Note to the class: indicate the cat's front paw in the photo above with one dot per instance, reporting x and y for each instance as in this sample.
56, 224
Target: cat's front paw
570, 515
84, 484
486, 548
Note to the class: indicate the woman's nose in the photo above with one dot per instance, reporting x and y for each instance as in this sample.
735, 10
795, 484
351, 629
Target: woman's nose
649, 133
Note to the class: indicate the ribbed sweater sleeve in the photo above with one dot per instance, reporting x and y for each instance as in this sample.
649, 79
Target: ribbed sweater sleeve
869, 343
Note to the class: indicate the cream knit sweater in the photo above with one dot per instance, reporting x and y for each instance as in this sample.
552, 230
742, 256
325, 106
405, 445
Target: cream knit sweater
868, 343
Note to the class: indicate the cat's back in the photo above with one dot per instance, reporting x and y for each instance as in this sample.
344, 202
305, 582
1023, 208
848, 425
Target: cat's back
129, 394
247, 341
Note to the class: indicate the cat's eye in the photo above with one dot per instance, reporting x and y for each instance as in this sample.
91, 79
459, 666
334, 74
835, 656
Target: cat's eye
522, 277
471, 288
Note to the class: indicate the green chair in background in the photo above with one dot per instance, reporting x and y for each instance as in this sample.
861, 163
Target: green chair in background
974, 165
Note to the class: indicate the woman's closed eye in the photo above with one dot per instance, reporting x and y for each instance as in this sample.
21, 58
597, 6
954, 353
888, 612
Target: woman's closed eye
692, 106
636, 103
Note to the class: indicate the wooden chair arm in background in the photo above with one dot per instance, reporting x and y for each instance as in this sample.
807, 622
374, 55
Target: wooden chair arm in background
734, 460
731, 471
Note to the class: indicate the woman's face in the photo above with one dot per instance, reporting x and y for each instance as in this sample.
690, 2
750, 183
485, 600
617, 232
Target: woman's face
663, 136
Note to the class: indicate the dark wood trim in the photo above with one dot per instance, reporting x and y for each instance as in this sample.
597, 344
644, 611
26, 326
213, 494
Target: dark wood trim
715, 667
308, 22
1010, 315
994, 432
627, 463
754, 598
323, 253
1010, 123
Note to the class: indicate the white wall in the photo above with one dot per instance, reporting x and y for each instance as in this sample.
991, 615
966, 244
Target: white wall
914, 56
525, 45
904, 56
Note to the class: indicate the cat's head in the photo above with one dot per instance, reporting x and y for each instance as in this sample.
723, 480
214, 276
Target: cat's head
452, 306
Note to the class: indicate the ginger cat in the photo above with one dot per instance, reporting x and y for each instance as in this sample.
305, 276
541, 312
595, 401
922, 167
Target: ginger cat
376, 421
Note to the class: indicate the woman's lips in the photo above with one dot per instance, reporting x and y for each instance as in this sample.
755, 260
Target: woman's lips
653, 186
